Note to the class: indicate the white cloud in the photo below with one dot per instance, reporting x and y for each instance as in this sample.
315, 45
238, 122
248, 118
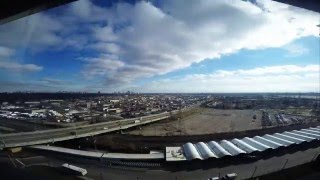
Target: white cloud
140, 40
16, 67
5, 51
44, 85
286, 78
85, 11
106, 47
158, 40
36, 31
53, 31
104, 65
54, 81
271, 70
296, 50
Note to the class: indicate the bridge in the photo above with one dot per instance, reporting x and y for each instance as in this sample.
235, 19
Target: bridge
62, 134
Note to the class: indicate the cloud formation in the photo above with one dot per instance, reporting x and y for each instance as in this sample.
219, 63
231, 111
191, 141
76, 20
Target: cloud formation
286, 78
129, 42
5, 51
16, 67
296, 50
30, 32
151, 40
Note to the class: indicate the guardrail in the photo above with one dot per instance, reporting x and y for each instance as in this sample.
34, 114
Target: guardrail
79, 127
24, 139
62, 134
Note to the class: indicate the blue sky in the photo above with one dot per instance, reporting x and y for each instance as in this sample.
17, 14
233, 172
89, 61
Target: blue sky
163, 46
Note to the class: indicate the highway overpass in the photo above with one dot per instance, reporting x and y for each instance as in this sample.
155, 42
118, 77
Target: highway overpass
62, 134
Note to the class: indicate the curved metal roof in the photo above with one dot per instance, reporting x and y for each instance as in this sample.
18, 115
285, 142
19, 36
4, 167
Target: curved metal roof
303, 137
307, 134
213, 149
316, 129
191, 152
205, 151
246, 145
231, 148
282, 141
258, 145
268, 142
311, 131
218, 150
289, 138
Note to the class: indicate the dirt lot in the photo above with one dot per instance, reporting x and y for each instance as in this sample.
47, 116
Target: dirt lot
204, 121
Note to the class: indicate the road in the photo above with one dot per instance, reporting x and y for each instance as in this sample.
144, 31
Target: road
61, 134
244, 170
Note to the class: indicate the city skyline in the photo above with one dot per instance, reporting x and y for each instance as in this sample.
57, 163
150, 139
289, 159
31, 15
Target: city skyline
162, 46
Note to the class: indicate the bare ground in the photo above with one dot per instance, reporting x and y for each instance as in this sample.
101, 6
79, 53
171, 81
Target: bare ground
204, 121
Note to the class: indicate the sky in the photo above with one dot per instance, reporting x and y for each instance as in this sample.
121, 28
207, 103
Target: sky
163, 46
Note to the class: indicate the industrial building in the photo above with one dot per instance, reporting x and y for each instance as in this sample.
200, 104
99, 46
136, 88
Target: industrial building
247, 147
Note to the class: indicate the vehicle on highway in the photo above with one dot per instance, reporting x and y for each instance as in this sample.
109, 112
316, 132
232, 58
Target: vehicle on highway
137, 121
214, 178
74, 169
230, 176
